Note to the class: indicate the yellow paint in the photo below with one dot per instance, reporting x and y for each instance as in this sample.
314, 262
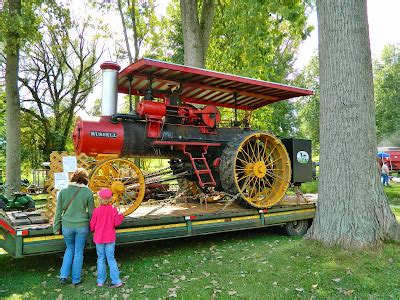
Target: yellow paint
246, 218
264, 178
283, 213
209, 222
2, 237
124, 178
43, 238
151, 227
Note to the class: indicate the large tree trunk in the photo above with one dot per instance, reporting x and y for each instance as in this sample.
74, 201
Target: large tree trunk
13, 135
196, 32
353, 211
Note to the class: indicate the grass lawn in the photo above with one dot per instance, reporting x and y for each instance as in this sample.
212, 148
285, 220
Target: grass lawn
247, 264
253, 264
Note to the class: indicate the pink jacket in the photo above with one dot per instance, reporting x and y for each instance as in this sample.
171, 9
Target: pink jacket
104, 220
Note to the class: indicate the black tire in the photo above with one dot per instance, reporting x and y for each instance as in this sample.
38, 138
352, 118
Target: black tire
228, 172
296, 228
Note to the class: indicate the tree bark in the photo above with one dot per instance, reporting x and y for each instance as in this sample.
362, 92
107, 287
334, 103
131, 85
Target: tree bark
196, 32
353, 211
13, 123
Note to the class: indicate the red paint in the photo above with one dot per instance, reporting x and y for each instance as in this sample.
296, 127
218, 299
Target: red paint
206, 87
216, 162
109, 65
7, 227
394, 159
151, 108
97, 135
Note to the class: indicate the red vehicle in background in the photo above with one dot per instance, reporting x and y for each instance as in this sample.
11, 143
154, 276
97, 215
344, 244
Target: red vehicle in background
394, 157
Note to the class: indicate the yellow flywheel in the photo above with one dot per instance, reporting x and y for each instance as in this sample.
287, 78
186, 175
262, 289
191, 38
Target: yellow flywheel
125, 180
256, 166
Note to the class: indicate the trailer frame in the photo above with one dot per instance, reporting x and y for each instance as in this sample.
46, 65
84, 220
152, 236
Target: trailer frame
20, 241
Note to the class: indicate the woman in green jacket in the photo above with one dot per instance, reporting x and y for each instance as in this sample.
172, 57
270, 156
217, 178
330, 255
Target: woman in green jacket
74, 209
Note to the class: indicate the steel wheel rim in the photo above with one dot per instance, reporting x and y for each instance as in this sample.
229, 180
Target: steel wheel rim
262, 170
124, 178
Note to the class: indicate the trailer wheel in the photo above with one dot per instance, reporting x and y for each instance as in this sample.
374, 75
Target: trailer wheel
296, 228
256, 166
125, 180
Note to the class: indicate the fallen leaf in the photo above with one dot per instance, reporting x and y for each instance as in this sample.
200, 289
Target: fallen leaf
348, 292
206, 274
57, 290
336, 279
299, 289
231, 293
146, 286
274, 283
183, 277
176, 280
314, 286
308, 257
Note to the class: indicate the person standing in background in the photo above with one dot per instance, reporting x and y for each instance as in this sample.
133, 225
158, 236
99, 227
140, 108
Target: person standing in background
385, 174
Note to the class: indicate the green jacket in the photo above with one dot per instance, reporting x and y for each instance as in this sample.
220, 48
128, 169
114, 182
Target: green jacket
80, 210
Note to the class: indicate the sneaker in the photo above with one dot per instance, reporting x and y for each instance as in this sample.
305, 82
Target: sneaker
78, 283
100, 284
63, 281
116, 285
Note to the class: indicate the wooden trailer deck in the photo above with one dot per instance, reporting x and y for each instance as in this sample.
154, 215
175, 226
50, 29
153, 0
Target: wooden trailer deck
162, 221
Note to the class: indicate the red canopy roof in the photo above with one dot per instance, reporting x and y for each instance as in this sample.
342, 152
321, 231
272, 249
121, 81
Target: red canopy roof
204, 86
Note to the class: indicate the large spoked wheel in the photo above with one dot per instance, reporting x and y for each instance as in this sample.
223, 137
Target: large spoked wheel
125, 180
256, 166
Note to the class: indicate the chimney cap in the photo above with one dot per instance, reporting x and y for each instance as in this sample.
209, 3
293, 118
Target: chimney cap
109, 65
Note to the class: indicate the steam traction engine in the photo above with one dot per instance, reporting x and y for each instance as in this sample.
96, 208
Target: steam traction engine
178, 118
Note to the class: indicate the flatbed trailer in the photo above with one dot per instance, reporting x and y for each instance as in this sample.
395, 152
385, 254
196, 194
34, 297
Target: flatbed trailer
165, 221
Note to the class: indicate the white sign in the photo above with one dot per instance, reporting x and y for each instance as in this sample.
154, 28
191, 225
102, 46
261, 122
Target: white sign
69, 164
303, 157
61, 180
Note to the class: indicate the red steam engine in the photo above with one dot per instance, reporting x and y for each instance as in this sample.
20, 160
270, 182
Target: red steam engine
178, 118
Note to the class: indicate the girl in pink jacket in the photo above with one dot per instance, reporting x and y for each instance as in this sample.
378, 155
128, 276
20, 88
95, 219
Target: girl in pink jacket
104, 220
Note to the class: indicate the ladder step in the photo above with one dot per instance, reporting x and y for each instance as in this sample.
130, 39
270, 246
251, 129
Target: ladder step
203, 171
199, 158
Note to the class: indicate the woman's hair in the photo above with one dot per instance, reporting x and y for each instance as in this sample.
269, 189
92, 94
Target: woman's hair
80, 176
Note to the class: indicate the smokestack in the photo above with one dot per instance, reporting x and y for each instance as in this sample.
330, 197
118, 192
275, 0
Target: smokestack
109, 94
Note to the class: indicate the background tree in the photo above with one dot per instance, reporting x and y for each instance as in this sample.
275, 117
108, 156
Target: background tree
197, 19
308, 107
353, 211
18, 23
58, 75
2, 134
260, 39
387, 96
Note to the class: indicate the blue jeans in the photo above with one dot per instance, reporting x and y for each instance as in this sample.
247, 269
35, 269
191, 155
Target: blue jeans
75, 239
106, 251
385, 180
